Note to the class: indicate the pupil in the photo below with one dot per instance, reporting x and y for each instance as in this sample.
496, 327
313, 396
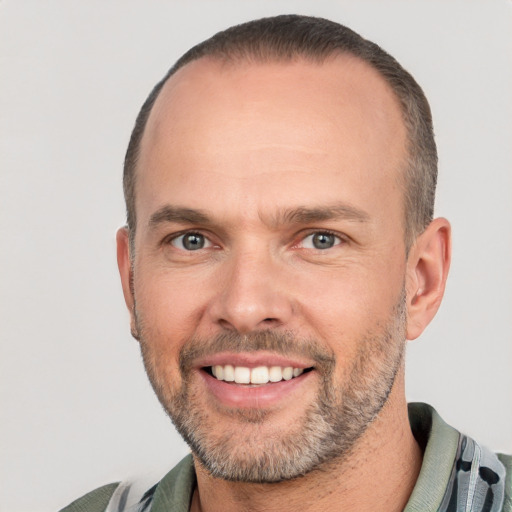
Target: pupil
193, 242
323, 241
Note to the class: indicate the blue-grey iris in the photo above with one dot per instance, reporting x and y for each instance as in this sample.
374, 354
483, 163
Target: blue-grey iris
193, 241
323, 240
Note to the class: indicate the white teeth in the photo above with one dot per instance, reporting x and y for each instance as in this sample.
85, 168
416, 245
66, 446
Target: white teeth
229, 373
258, 375
287, 373
219, 372
275, 374
242, 375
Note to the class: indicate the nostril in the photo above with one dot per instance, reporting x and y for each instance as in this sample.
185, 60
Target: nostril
226, 325
269, 323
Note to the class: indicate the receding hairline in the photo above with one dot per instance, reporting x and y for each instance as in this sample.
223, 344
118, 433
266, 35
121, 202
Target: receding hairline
288, 38
387, 98
344, 59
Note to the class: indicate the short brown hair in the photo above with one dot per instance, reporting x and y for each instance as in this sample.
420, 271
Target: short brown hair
288, 37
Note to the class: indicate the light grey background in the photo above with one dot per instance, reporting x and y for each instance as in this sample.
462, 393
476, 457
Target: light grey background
76, 409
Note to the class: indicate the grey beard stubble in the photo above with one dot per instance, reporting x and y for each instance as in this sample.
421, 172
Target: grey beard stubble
330, 427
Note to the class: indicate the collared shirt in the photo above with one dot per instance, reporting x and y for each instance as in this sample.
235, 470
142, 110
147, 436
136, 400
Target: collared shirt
457, 475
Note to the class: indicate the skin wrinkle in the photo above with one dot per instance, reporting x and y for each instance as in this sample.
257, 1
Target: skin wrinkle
299, 215
169, 213
344, 214
333, 424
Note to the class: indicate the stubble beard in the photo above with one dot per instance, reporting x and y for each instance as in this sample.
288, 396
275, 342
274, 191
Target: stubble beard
330, 426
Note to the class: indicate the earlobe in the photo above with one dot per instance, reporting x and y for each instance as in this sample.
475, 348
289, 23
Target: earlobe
427, 271
124, 264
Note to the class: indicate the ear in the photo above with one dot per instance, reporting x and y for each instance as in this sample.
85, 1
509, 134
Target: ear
124, 264
427, 269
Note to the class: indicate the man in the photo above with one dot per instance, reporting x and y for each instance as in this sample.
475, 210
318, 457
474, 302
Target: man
280, 249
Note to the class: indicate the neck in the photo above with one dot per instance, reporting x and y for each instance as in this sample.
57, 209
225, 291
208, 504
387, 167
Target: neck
379, 474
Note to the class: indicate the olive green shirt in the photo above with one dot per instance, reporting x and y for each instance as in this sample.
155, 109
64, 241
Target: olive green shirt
452, 464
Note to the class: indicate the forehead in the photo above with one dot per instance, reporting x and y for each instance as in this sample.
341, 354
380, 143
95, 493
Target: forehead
253, 125
210, 89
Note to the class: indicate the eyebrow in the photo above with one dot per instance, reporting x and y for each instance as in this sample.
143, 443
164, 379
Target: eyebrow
177, 214
306, 215
299, 215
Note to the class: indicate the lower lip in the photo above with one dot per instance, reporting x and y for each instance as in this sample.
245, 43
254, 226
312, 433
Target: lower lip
246, 396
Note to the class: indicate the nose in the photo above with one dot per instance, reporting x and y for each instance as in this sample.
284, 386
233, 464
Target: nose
252, 294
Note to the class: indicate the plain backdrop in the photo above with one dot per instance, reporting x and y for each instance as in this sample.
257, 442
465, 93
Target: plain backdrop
76, 408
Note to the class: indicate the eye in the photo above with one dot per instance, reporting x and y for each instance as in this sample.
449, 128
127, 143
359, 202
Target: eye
190, 241
321, 240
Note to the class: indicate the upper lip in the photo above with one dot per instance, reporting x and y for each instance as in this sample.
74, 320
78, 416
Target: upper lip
252, 360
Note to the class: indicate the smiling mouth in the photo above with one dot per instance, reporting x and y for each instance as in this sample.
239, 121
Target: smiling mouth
258, 375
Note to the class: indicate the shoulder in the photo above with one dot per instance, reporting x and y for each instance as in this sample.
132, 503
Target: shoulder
172, 492
456, 468
94, 501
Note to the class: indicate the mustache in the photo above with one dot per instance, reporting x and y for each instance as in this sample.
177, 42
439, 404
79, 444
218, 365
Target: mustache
281, 343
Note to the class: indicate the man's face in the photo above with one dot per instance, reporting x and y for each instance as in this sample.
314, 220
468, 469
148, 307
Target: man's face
270, 247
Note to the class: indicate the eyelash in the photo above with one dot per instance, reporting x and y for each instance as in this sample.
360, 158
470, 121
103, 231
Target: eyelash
340, 239
176, 236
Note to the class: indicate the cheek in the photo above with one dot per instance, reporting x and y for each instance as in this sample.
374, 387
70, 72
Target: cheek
168, 312
169, 298
344, 305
